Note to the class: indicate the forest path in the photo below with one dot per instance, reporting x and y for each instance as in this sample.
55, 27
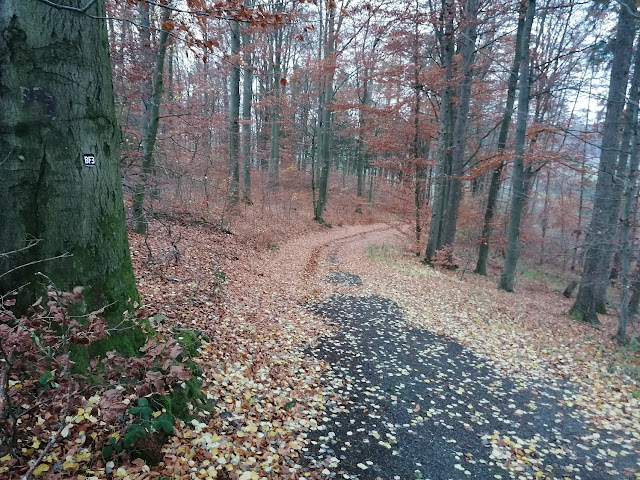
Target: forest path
416, 404
339, 353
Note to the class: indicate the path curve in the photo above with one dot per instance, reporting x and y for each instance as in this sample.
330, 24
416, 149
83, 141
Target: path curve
416, 404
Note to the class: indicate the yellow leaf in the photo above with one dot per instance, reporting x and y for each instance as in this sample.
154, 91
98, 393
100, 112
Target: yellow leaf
40, 469
6, 458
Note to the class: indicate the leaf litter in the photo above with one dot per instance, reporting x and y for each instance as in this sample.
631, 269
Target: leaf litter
493, 383
534, 387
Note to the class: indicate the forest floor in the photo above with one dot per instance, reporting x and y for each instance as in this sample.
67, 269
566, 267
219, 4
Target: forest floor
337, 354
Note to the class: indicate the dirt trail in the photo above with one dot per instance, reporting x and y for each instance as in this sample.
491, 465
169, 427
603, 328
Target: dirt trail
294, 270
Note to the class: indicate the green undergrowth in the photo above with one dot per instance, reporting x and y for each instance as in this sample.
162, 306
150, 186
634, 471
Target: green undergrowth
187, 397
555, 282
154, 416
382, 254
628, 364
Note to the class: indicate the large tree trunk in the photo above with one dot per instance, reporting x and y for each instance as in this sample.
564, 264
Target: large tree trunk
47, 126
600, 235
494, 187
460, 128
234, 118
518, 193
630, 148
149, 127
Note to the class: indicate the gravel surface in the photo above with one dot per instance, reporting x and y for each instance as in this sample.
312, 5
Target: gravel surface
344, 278
418, 405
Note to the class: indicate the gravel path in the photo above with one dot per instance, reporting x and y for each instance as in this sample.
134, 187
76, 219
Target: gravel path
414, 405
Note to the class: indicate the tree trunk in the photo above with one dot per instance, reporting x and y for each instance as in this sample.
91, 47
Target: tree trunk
234, 118
634, 302
599, 237
247, 80
325, 137
518, 191
51, 189
570, 288
494, 187
460, 129
545, 216
629, 145
444, 124
150, 129
276, 111
363, 157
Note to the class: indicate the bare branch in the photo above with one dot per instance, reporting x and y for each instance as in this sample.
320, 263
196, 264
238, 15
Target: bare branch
67, 7
64, 255
32, 243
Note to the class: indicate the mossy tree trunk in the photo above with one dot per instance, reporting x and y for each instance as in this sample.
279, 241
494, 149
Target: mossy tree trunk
630, 148
468, 50
276, 109
247, 94
56, 105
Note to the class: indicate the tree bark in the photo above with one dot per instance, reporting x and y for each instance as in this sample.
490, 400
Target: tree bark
468, 52
149, 122
47, 124
630, 148
518, 193
325, 131
599, 236
446, 37
234, 118
247, 93
276, 111
494, 186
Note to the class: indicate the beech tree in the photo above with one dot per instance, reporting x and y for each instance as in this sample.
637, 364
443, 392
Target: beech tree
150, 109
496, 174
600, 235
61, 186
445, 33
459, 143
630, 148
325, 116
247, 94
518, 193
234, 116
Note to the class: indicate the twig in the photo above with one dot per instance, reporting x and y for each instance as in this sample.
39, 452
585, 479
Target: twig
8, 155
32, 243
35, 262
51, 441
67, 7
